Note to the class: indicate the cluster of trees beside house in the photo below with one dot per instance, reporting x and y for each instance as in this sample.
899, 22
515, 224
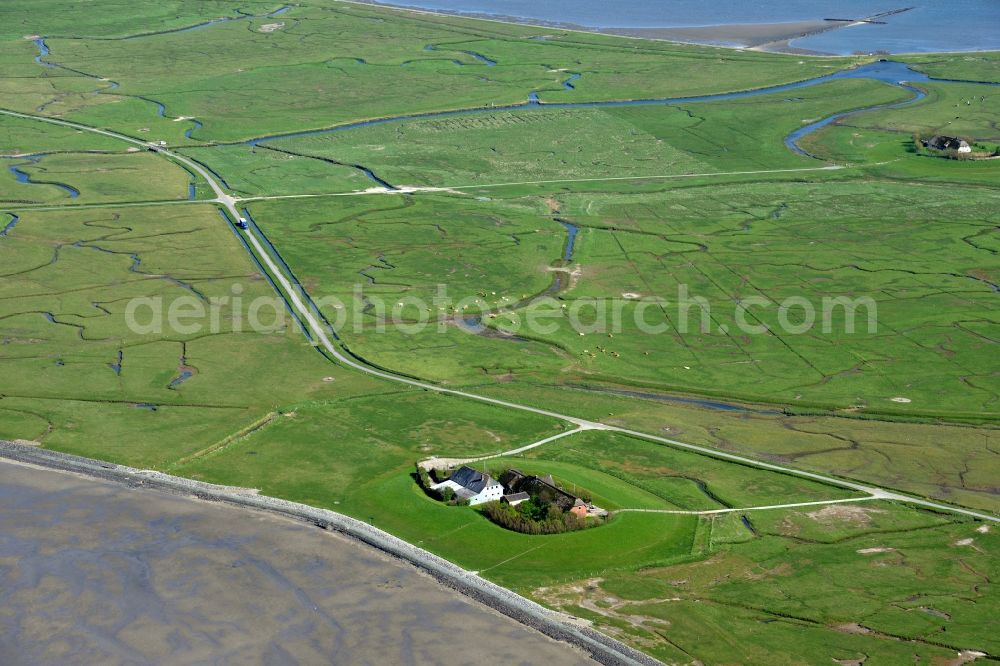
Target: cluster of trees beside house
446, 495
532, 517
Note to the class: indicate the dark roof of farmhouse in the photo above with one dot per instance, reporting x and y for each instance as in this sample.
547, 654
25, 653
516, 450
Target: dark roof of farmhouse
471, 479
941, 142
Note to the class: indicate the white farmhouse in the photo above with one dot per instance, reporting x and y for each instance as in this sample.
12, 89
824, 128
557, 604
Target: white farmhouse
940, 142
476, 487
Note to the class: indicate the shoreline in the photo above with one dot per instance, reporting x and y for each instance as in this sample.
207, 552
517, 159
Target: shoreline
734, 36
601, 648
771, 37
778, 45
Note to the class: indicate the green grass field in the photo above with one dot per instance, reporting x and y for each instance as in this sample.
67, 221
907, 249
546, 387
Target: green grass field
256, 80
700, 196
538, 145
659, 242
967, 67
956, 462
781, 599
98, 177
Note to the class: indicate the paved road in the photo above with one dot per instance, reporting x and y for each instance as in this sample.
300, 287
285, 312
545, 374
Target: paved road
438, 463
710, 512
320, 333
403, 189
835, 167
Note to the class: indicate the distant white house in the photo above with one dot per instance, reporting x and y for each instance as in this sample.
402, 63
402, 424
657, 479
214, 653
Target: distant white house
476, 487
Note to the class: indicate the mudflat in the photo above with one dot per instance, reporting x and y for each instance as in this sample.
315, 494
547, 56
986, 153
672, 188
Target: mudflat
94, 572
769, 36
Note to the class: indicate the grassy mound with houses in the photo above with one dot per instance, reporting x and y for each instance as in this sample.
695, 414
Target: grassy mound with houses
514, 500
